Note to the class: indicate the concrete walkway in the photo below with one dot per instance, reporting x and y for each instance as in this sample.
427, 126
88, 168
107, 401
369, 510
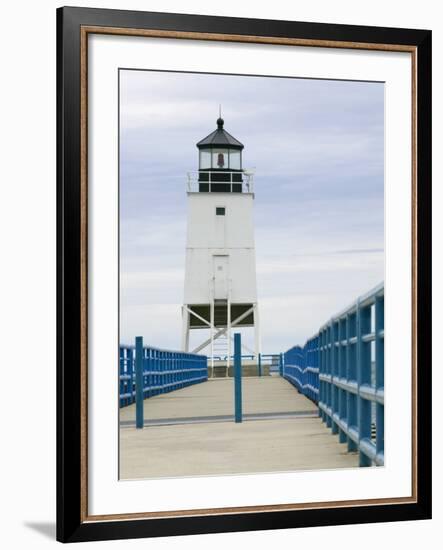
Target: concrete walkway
268, 394
289, 436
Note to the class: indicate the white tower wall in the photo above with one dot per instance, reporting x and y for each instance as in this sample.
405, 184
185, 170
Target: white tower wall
220, 277
220, 251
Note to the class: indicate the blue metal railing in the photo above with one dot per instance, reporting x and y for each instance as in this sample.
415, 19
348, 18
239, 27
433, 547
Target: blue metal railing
271, 360
342, 369
265, 361
163, 371
300, 367
222, 358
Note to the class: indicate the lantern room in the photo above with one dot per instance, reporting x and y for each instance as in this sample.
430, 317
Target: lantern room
220, 162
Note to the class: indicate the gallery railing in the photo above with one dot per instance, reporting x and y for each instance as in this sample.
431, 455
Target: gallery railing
224, 181
349, 390
163, 371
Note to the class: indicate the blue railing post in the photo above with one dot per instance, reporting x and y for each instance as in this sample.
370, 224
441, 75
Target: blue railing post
237, 378
329, 375
351, 366
342, 437
123, 383
363, 377
139, 382
334, 375
148, 368
380, 375
259, 365
280, 364
321, 384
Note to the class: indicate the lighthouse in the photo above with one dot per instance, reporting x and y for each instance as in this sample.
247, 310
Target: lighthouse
220, 291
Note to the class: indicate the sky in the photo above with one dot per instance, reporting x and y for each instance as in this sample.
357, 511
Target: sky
317, 150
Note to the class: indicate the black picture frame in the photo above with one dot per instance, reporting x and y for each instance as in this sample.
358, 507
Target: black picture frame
72, 524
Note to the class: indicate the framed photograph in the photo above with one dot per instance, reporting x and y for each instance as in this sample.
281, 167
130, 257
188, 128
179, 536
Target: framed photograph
244, 274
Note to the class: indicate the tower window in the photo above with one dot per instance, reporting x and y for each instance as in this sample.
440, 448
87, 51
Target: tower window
220, 210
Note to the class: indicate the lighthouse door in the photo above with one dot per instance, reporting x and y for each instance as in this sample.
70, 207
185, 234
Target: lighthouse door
220, 277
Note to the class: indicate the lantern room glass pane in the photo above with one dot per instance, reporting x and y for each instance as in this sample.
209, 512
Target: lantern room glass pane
220, 159
205, 160
234, 159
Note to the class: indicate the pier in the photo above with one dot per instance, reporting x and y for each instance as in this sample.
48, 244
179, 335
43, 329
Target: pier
320, 407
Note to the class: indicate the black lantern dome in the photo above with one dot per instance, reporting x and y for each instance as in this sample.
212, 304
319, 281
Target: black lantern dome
220, 161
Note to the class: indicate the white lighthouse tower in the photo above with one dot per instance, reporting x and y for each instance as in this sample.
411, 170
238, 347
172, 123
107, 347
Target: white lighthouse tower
220, 280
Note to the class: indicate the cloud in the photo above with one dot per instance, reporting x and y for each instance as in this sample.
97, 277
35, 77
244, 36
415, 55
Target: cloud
318, 152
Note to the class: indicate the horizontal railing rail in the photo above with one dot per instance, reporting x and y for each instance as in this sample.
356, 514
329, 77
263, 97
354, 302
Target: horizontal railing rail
342, 369
163, 371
